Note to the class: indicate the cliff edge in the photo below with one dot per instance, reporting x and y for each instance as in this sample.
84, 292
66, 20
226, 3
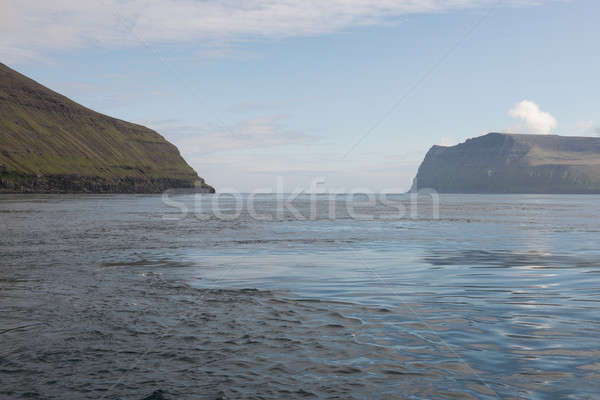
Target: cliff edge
49, 143
513, 163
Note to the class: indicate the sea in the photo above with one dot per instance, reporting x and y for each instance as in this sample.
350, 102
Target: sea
309, 296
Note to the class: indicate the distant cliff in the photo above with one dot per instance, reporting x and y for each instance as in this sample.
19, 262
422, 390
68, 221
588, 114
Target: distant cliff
49, 143
510, 163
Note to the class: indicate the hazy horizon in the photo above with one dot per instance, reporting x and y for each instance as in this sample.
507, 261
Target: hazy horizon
352, 92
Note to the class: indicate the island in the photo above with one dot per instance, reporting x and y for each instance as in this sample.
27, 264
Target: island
51, 144
513, 163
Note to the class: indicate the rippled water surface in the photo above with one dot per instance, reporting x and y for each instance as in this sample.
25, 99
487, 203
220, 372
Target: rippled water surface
119, 297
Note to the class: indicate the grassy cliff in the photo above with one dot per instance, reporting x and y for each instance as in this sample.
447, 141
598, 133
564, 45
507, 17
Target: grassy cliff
49, 143
510, 163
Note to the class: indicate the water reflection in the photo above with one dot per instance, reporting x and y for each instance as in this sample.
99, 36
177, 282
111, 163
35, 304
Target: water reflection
102, 297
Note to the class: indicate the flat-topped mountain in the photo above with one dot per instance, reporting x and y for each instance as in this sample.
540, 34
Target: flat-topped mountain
49, 143
512, 163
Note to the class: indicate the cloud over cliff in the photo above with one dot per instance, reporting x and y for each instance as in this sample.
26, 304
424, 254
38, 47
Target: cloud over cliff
31, 28
535, 120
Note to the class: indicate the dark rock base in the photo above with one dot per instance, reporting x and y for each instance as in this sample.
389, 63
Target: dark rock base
16, 183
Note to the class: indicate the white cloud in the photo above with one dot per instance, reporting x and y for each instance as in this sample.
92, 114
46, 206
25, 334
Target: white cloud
535, 120
32, 28
258, 133
246, 155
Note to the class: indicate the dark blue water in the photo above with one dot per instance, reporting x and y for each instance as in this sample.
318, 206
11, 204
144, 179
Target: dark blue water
119, 296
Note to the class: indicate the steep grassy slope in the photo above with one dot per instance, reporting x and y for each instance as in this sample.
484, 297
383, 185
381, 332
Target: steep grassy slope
509, 163
49, 143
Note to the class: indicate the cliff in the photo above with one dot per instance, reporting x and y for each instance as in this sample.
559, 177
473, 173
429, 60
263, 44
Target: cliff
511, 163
49, 143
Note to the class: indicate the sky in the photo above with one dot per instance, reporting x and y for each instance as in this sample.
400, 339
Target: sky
343, 95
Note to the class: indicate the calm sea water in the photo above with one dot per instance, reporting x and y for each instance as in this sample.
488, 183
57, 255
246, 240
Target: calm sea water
117, 297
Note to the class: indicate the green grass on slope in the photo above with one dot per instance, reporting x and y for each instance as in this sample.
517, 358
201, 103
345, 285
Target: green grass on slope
44, 133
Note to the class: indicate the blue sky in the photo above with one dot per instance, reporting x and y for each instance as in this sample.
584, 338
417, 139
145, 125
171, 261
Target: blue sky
352, 91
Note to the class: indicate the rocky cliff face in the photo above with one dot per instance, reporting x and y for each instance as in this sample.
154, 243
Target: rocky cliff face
511, 163
49, 143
